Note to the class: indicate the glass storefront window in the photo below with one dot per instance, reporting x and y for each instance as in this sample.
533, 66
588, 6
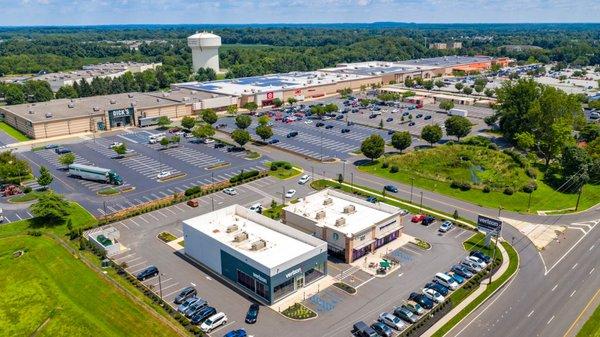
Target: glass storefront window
283, 289
246, 280
261, 290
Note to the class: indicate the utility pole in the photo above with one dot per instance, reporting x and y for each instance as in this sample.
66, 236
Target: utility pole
578, 197
160, 285
529, 202
412, 183
283, 195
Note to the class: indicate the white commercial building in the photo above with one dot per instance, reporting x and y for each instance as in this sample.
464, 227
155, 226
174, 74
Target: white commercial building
261, 256
205, 50
352, 227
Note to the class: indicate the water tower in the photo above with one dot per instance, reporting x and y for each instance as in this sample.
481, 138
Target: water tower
205, 50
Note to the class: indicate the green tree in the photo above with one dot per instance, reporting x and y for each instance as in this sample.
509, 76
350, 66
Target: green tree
291, 100
188, 122
317, 110
203, 131
446, 105
277, 102
205, 74
488, 92
409, 82
251, 106
458, 126
51, 208
45, 178
66, 91
175, 140
13, 94
479, 88
576, 164
401, 140
467, 90
232, 109
551, 144
373, 146
264, 132
243, 121
164, 121
67, 159
428, 85
459, 86
38, 91
165, 142
589, 132
209, 116
439, 83
331, 107
263, 120
524, 140
431, 133
240, 136
120, 150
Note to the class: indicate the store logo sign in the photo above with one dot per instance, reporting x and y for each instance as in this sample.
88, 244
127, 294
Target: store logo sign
293, 272
260, 278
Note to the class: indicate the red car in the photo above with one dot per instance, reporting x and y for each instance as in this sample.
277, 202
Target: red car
417, 218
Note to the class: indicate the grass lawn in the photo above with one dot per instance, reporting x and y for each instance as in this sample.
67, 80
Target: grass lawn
274, 212
14, 133
284, 173
27, 196
298, 311
435, 169
591, 328
48, 285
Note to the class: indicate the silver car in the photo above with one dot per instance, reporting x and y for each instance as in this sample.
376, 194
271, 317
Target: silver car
391, 321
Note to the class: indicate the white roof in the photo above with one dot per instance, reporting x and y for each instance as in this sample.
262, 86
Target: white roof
333, 203
280, 248
203, 35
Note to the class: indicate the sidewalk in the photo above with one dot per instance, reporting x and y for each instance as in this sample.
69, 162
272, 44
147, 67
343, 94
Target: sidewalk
471, 297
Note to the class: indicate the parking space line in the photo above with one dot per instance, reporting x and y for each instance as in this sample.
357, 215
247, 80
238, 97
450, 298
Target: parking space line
150, 214
123, 257
179, 208
170, 285
174, 292
123, 224
411, 250
221, 327
139, 264
139, 270
135, 222
142, 218
170, 210
134, 259
163, 281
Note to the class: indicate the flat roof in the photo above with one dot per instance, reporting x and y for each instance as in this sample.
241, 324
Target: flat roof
266, 83
333, 205
82, 107
280, 247
184, 95
447, 61
373, 68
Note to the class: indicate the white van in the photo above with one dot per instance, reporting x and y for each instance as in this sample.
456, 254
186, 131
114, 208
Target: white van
446, 281
155, 138
214, 322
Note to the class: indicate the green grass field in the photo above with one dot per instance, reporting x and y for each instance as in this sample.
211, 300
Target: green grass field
435, 169
591, 328
14, 133
49, 291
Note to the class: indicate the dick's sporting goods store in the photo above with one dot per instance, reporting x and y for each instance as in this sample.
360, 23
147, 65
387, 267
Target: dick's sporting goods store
120, 117
263, 258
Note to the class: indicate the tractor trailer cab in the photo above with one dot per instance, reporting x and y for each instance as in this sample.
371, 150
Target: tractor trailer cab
95, 173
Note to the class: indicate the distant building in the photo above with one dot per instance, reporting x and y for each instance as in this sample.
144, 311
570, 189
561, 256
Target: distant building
205, 50
438, 46
456, 45
351, 226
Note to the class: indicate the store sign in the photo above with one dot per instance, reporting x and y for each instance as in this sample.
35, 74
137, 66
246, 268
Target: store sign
298, 92
293, 272
260, 278
121, 112
270, 95
488, 225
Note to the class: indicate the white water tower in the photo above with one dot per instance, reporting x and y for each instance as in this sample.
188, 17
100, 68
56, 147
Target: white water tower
205, 50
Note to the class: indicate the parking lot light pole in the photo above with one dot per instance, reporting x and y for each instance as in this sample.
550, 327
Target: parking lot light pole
160, 285
412, 184
283, 195
421, 204
352, 181
212, 203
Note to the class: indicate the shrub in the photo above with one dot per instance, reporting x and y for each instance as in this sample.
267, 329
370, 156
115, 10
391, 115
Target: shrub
477, 141
529, 188
243, 176
531, 173
273, 168
487, 189
394, 169
287, 166
385, 164
493, 146
192, 191
509, 191
465, 186
27, 189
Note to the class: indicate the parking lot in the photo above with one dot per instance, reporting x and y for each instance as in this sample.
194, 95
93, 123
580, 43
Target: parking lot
189, 163
337, 310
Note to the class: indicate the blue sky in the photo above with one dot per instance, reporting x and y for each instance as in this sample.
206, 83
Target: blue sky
90, 12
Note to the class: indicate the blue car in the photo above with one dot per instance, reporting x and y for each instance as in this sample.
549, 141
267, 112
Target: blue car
437, 287
458, 269
202, 315
372, 199
459, 279
236, 333
382, 329
274, 141
391, 188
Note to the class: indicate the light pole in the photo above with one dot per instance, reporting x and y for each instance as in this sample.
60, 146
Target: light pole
352, 181
321, 151
421, 204
212, 203
160, 285
343, 170
529, 202
283, 195
412, 183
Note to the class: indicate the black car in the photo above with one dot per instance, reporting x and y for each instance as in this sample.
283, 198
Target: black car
481, 256
428, 220
345, 130
437, 287
292, 134
391, 132
350, 123
252, 314
427, 117
405, 113
419, 115
389, 119
391, 188
147, 273
338, 117
219, 145
422, 300
411, 124
202, 315
235, 149
319, 124
373, 116
62, 150
274, 141
329, 127
185, 294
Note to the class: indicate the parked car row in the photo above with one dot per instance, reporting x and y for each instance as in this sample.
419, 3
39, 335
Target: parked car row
418, 303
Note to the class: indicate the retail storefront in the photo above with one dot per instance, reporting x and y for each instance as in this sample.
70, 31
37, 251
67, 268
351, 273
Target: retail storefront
120, 117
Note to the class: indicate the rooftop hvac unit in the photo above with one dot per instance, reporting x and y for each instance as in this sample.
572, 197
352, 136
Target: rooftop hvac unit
340, 222
327, 201
96, 108
130, 95
185, 99
71, 105
240, 237
350, 209
48, 115
320, 215
112, 101
31, 112
258, 244
232, 228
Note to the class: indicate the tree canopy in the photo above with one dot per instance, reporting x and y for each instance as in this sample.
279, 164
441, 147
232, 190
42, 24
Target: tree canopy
373, 146
401, 140
458, 126
431, 133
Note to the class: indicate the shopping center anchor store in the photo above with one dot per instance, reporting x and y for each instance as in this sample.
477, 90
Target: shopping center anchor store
120, 117
260, 256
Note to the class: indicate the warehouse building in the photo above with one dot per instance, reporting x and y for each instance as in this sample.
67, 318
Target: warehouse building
352, 227
260, 256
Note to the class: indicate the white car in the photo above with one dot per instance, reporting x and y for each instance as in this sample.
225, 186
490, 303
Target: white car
304, 179
433, 295
290, 193
188, 135
471, 266
163, 174
115, 144
391, 321
256, 208
477, 260
308, 121
208, 140
230, 191
214, 322
403, 212
1, 216
325, 118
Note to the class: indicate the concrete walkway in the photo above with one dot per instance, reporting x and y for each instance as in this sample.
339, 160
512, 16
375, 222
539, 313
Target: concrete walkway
471, 297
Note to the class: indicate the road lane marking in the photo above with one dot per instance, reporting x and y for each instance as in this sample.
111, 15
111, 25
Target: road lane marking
591, 271
592, 247
573, 293
575, 265
360, 285
551, 318
400, 275
554, 288
531, 313
582, 312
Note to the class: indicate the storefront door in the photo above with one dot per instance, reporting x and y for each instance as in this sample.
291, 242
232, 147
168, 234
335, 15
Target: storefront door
300, 282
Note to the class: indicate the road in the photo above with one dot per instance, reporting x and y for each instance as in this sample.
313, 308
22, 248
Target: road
546, 297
